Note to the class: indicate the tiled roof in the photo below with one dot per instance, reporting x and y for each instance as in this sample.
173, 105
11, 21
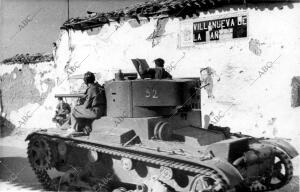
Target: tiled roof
28, 59
170, 8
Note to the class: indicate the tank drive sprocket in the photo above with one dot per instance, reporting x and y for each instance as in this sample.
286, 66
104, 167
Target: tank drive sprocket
282, 171
280, 174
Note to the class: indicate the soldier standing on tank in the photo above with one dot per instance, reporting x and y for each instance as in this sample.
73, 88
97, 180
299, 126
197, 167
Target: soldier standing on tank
94, 103
158, 72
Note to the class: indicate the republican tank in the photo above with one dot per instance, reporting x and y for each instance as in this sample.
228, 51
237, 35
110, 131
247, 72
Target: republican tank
152, 139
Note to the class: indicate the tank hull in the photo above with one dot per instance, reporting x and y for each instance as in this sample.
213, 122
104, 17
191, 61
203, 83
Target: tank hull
98, 161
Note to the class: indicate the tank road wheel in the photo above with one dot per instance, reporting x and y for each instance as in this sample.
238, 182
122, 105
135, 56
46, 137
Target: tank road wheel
39, 154
282, 171
127, 164
208, 183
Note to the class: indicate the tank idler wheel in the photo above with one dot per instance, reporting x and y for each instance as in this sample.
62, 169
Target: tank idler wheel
282, 171
207, 183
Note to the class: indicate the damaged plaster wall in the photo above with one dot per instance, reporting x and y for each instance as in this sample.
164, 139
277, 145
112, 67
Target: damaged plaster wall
18, 88
24, 88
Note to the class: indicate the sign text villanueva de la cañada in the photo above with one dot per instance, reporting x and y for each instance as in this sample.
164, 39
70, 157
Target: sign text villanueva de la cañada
213, 28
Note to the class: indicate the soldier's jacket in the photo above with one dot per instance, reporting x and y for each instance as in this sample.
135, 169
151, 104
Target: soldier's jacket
95, 96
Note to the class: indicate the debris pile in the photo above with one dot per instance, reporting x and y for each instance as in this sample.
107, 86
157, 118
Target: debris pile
27, 58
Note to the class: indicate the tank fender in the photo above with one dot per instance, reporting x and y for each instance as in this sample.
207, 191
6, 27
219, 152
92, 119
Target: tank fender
229, 173
29, 136
283, 145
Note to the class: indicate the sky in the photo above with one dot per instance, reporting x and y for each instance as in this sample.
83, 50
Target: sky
31, 26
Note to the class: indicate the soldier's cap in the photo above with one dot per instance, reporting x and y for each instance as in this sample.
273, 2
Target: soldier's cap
159, 62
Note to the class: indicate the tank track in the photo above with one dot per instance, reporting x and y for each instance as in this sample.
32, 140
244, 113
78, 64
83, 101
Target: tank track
289, 164
44, 179
48, 184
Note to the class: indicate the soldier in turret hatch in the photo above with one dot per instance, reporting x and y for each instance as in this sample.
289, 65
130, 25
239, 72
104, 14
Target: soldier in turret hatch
93, 104
158, 72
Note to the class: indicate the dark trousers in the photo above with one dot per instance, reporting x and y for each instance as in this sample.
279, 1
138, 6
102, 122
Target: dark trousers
81, 115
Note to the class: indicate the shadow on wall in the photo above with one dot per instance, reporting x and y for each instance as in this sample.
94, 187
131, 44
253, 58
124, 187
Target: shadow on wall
6, 127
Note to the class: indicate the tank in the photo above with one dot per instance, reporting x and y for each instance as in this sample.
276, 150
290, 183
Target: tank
152, 139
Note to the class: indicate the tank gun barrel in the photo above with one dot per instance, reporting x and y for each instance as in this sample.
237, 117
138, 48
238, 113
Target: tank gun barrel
74, 95
69, 95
